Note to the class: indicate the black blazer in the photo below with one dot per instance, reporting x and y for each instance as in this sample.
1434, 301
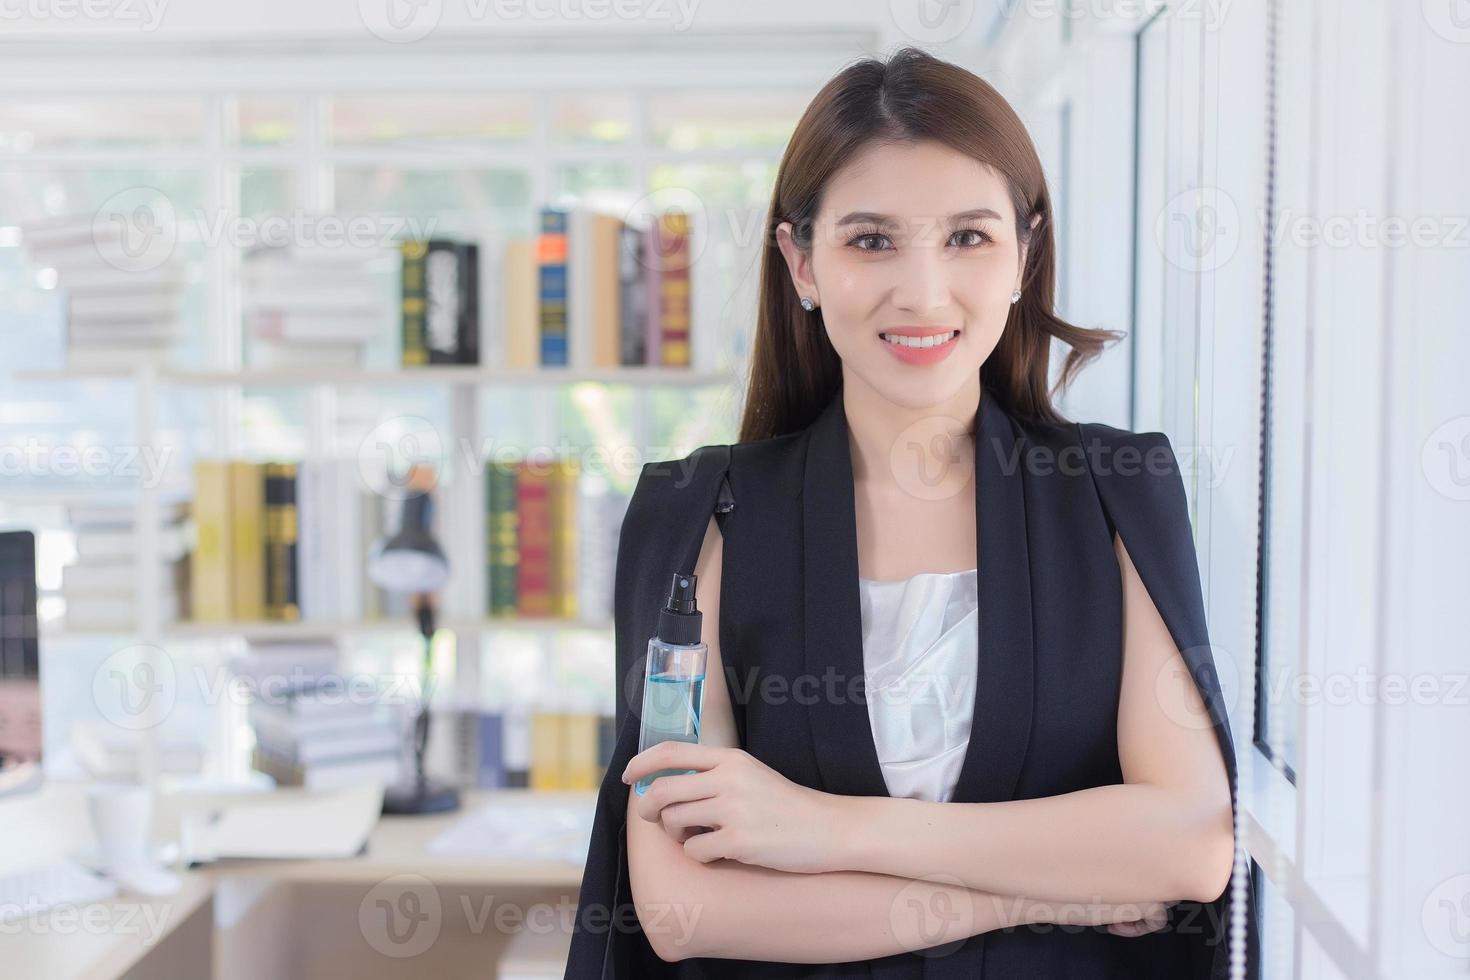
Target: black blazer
1048, 498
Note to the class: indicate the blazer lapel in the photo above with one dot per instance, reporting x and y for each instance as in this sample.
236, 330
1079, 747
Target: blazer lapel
833, 629
1005, 673
842, 733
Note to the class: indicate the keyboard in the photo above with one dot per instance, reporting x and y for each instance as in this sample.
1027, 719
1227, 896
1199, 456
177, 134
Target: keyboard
48, 886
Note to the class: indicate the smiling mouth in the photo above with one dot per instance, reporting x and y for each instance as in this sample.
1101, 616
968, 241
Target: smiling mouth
919, 343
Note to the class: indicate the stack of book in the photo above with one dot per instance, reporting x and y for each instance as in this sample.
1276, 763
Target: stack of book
554, 745
106, 751
551, 540
123, 281
593, 291
313, 727
101, 586
287, 541
314, 304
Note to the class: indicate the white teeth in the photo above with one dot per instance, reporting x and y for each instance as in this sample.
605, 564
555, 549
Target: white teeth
929, 341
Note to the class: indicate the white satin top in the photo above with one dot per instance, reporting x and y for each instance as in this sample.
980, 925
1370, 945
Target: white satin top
920, 641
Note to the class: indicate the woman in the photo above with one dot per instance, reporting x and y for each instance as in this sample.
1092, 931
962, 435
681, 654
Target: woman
960, 716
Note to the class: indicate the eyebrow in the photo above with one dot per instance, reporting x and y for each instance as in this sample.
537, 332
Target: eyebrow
887, 221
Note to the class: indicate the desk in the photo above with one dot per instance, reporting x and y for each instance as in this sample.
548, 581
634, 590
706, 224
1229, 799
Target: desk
126, 936
291, 920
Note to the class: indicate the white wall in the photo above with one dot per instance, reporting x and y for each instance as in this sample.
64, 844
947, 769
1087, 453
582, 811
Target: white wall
1369, 416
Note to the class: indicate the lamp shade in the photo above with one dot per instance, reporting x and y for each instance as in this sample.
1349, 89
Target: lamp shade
410, 560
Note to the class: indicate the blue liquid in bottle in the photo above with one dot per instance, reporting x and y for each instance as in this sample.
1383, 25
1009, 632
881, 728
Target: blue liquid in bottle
673, 684
671, 707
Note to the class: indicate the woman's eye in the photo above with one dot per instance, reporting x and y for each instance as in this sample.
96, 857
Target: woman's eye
871, 236
980, 238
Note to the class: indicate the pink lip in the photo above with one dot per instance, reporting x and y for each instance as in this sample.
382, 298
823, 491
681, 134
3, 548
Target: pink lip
920, 355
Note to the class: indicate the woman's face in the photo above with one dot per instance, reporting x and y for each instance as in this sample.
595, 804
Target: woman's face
913, 239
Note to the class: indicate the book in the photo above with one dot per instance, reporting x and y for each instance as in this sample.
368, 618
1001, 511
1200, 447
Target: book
470, 327
278, 668
534, 545
502, 531
451, 302
673, 248
414, 337
520, 339
106, 751
113, 543
552, 295
331, 744
282, 596
632, 297
101, 588
247, 551
212, 566
562, 494
653, 296
592, 287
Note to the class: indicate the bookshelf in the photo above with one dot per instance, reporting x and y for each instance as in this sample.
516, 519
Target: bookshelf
275, 127
461, 498
448, 375
274, 630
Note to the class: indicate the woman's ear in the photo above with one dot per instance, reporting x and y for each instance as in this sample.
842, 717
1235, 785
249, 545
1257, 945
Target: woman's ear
1026, 249
798, 263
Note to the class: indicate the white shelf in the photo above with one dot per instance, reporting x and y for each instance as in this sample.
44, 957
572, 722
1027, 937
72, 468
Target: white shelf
451, 374
274, 630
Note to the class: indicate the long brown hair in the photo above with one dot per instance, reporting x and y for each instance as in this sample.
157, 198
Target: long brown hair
794, 370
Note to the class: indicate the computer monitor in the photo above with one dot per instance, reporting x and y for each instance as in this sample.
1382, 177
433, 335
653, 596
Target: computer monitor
20, 665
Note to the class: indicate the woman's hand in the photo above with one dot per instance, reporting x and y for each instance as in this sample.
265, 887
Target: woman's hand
735, 806
1155, 917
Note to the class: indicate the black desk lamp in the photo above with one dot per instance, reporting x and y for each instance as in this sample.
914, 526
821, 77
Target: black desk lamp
411, 561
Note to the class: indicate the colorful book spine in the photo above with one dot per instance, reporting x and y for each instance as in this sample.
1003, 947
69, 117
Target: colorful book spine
564, 499
551, 278
519, 330
468, 349
632, 297
516, 746
674, 301
565, 745
282, 600
533, 596
211, 568
579, 748
415, 338
547, 752
502, 532
653, 295
247, 548
490, 750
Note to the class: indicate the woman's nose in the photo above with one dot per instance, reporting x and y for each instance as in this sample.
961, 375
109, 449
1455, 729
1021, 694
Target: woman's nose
923, 284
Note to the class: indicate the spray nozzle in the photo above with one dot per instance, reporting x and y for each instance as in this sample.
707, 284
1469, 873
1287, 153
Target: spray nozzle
680, 620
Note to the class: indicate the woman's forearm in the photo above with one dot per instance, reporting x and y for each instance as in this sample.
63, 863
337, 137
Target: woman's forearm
745, 912
731, 910
1113, 843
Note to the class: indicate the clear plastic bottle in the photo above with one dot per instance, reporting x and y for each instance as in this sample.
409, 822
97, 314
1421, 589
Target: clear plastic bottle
673, 677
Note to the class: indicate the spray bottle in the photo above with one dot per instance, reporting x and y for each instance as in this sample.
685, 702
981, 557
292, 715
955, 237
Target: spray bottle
673, 678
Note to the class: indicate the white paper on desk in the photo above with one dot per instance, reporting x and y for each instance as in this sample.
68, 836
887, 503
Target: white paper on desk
524, 829
304, 825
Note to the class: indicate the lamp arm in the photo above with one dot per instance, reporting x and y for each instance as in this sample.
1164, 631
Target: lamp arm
423, 607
